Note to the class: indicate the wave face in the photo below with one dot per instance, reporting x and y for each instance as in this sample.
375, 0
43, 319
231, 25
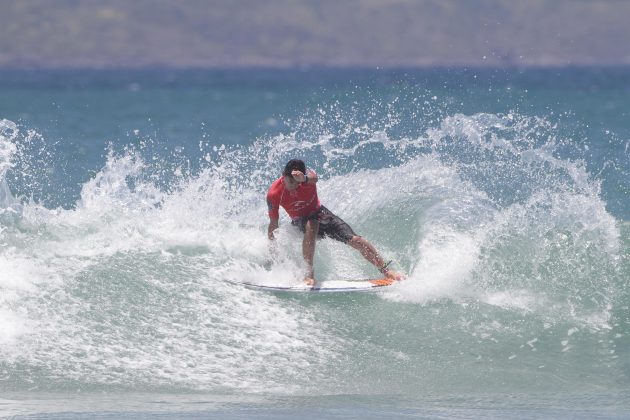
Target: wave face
517, 271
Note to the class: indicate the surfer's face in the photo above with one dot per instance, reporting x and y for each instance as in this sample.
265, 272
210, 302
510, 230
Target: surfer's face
290, 183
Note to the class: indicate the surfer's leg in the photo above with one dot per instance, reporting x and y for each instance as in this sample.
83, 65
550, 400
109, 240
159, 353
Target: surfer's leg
333, 226
308, 248
367, 250
370, 253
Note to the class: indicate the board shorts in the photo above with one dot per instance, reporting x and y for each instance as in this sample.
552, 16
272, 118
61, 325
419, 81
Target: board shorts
330, 225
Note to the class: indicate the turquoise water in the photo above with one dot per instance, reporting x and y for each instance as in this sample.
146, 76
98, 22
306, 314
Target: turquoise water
128, 198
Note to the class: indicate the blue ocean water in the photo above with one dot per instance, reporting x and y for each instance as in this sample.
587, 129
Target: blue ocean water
127, 199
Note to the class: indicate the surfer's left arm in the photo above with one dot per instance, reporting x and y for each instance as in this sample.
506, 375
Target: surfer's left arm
310, 177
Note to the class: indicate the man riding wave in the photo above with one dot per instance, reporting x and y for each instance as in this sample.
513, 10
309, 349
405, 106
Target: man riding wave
296, 192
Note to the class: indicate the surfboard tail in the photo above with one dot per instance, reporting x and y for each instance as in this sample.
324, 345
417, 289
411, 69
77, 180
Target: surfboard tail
382, 282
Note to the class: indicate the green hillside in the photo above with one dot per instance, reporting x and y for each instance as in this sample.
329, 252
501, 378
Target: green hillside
284, 33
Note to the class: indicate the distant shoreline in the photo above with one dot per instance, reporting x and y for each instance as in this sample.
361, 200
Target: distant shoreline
581, 77
308, 68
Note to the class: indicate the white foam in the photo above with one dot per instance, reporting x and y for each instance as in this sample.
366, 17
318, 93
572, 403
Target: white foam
446, 262
127, 239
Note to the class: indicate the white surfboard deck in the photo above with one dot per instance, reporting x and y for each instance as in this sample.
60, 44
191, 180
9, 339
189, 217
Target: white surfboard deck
326, 286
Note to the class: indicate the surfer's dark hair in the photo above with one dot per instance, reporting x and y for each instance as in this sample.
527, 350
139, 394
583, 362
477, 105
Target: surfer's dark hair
294, 165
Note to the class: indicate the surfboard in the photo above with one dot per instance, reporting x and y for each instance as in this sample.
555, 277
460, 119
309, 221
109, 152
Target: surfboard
326, 286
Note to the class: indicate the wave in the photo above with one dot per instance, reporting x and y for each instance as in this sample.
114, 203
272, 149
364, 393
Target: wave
513, 261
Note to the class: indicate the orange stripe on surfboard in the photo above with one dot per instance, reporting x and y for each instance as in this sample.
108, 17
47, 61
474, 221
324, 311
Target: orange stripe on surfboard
382, 282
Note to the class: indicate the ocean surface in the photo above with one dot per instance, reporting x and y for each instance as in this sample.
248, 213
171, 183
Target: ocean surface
130, 200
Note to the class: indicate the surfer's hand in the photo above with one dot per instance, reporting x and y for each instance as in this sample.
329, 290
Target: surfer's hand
298, 176
309, 281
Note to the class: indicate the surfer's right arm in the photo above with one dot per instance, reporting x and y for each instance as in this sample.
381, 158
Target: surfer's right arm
273, 205
273, 225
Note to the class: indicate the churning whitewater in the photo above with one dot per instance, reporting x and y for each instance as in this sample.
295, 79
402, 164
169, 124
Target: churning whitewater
517, 273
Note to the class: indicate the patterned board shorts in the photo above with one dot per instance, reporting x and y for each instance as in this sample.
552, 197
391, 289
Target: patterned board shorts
329, 225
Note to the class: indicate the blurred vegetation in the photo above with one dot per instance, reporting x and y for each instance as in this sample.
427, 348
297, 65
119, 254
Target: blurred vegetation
286, 33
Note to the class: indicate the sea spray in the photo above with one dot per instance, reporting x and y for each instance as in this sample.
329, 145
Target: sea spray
516, 270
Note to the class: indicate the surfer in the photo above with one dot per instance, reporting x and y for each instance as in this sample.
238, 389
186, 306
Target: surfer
296, 192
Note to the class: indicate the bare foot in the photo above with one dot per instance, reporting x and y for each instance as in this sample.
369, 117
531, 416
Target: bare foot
309, 281
391, 274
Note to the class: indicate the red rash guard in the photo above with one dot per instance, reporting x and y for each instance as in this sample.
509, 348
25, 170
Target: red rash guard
301, 202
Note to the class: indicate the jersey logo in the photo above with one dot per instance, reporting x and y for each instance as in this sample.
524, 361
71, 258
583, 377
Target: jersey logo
297, 205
